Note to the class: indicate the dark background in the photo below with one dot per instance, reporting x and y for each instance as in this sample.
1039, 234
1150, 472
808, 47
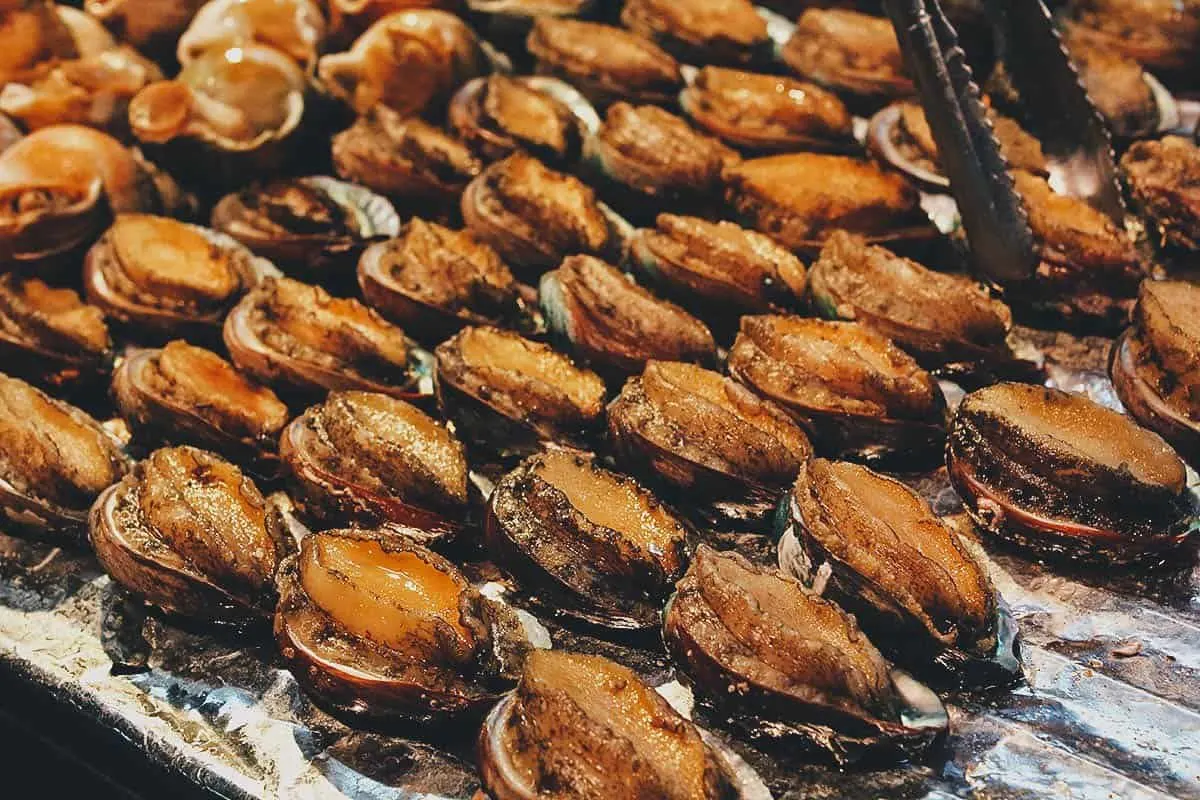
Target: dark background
50, 750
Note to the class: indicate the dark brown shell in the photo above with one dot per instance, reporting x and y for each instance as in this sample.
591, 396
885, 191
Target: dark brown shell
576, 697
54, 461
434, 281
185, 394
586, 542
856, 393
226, 577
604, 62
405, 159
499, 115
315, 226
850, 704
374, 461
335, 343
1057, 474
508, 394
948, 322
728, 453
1090, 267
1162, 176
534, 216
872, 545
717, 269
762, 113
614, 325
160, 278
643, 153
1153, 365
49, 336
358, 677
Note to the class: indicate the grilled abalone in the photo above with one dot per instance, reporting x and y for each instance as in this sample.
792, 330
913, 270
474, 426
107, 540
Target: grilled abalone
581, 726
160, 278
909, 581
508, 394
1160, 34
726, 452
850, 52
54, 461
604, 62
701, 31
647, 158
855, 392
801, 198
434, 281
380, 628
1117, 85
717, 269
791, 667
1090, 268
406, 159
1155, 365
761, 113
899, 135
371, 460
1163, 177
189, 533
948, 322
614, 325
1055, 473
186, 394
303, 342
499, 115
48, 336
314, 227
586, 542
535, 216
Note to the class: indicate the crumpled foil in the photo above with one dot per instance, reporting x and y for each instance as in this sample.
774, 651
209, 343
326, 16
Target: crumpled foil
1110, 709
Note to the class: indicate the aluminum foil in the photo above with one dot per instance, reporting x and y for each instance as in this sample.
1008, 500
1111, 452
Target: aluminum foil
1110, 709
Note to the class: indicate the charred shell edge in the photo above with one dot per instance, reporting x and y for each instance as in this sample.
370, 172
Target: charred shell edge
198, 598
359, 694
128, 311
481, 426
502, 781
1147, 406
374, 212
923, 721
1057, 538
43, 234
327, 495
252, 355
161, 417
881, 142
733, 503
945, 665
559, 599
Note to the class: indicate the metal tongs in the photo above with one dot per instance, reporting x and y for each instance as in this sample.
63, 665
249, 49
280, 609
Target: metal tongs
1056, 108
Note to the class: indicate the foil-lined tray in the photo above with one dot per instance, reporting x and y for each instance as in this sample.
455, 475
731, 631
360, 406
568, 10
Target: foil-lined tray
1110, 709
